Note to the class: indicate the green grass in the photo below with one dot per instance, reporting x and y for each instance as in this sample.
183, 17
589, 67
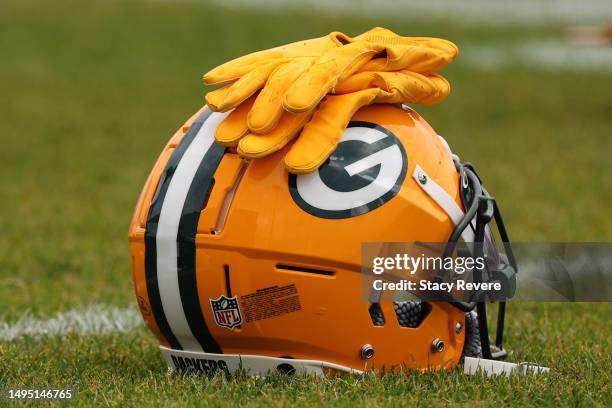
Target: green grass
126, 369
90, 94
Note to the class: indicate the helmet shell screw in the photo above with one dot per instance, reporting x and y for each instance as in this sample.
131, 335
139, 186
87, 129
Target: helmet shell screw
458, 328
437, 346
367, 351
422, 178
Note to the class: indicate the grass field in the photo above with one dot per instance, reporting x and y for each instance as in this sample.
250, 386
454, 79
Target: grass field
91, 92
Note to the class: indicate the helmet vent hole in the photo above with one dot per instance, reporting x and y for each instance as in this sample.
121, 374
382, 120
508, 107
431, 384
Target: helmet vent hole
411, 313
376, 314
315, 271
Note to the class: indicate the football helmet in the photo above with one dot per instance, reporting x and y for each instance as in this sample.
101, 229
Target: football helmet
240, 265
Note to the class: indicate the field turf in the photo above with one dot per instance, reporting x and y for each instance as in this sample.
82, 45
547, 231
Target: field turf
91, 91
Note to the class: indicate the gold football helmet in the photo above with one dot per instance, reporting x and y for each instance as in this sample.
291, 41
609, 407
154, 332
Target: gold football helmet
239, 264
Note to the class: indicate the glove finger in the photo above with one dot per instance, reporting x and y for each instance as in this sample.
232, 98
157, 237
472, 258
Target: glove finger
228, 97
399, 87
421, 54
412, 87
268, 107
387, 37
320, 136
359, 82
254, 146
308, 90
234, 126
413, 58
232, 70
442, 89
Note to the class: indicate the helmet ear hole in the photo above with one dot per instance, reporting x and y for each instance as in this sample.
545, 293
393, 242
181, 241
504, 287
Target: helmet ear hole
411, 313
286, 368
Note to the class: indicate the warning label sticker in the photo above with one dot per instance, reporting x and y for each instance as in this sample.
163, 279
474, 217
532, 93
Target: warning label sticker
270, 302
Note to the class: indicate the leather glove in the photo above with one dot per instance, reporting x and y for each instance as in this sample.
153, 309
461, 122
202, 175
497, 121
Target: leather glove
296, 77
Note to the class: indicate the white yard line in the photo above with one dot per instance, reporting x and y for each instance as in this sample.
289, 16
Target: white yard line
94, 319
472, 11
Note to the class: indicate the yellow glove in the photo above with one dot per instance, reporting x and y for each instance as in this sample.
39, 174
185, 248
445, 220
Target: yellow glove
323, 129
297, 76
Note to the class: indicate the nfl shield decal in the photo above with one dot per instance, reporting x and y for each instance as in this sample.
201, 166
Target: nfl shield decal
226, 311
